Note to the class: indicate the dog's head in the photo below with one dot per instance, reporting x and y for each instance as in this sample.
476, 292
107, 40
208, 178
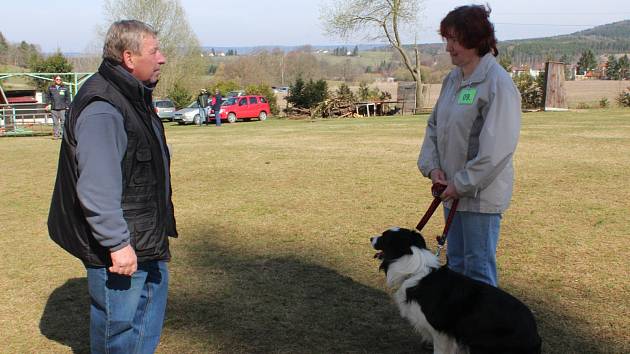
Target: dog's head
395, 243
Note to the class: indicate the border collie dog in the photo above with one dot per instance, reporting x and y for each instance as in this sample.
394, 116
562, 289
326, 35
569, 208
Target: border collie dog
453, 312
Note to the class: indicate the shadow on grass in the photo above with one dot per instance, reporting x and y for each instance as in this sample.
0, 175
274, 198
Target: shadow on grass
66, 316
226, 300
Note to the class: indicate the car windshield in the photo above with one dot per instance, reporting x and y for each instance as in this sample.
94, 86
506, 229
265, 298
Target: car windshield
193, 105
230, 101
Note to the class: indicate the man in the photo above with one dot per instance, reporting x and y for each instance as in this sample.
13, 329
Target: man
202, 101
111, 206
58, 102
216, 106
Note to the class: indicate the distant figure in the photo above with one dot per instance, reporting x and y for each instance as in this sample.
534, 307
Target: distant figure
470, 140
58, 102
202, 101
111, 205
216, 106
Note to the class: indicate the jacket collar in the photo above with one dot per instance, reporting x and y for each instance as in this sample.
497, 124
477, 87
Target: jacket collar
480, 72
133, 89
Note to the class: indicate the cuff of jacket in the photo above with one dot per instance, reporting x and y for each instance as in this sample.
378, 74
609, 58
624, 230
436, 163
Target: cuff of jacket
119, 246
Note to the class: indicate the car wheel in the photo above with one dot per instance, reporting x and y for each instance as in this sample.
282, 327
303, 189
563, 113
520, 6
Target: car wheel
196, 120
262, 116
231, 118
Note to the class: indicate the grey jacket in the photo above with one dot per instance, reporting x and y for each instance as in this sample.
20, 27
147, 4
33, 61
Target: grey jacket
472, 135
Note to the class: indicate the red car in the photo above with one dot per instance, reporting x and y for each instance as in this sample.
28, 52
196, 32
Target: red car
243, 107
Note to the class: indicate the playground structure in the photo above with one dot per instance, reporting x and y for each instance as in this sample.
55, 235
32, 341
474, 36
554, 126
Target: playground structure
25, 114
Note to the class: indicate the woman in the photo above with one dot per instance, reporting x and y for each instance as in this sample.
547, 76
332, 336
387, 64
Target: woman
470, 140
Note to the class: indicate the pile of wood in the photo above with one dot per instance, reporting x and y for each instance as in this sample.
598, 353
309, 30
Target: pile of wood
333, 107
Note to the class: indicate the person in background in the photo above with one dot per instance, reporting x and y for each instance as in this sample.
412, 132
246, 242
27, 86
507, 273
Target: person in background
202, 101
58, 101
470, 140
217, 99
111, 205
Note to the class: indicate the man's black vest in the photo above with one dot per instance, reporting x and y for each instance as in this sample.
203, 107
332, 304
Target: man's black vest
147, 209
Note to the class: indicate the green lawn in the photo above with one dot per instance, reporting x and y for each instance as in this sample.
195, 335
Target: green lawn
275, 219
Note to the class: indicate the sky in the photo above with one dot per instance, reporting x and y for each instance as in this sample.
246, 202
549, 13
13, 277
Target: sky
70, 25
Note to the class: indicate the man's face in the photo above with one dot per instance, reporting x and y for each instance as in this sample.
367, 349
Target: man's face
145, 66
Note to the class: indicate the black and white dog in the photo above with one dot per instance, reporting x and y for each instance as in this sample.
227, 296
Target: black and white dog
455, 313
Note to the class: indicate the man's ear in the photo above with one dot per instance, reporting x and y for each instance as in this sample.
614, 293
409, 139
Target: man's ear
127, 60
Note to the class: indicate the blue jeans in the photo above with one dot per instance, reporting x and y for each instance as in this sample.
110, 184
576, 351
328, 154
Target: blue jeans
472, 245
127, 313
202, 115
217, 117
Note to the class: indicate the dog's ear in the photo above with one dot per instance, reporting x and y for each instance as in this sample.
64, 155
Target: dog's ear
418, 240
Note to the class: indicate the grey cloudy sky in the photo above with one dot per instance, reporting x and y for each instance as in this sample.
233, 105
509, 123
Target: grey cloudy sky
70, 24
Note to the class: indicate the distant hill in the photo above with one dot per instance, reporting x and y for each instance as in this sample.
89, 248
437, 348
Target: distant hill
612, 38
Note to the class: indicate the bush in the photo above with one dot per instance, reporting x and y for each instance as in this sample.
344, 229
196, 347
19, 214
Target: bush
224, 87
604, 103
180, 95
307, 94
583, 105
267, 92
344, 93
624, 98
531, 90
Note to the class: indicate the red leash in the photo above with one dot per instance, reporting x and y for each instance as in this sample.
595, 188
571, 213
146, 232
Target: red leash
436, 191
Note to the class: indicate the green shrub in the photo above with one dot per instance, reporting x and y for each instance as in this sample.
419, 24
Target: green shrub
224, 87
180, 96
604, 103
583, 105
531, 90
624, 98
307, 94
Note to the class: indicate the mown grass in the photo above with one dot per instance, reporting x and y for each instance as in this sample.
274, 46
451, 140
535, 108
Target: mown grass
274, 220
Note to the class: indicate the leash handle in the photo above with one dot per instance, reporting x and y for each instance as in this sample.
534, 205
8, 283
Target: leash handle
436, 190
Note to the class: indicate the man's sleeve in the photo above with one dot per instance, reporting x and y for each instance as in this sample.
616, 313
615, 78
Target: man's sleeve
101, 146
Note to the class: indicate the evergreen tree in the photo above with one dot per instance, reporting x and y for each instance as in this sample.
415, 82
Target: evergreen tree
364, 91
624, 67
3, 44
506, 62
587, 62
355, 51
344, 93
612, 68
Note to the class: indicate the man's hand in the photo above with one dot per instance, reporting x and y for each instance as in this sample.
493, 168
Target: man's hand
124, 261
47, 108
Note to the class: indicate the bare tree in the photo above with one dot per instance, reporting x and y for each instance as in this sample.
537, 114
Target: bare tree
184, 63
377, 19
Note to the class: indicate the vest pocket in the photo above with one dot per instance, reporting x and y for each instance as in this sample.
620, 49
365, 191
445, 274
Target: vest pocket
142, 224
143, 171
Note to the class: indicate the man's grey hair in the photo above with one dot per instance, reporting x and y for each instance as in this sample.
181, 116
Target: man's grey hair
125, 35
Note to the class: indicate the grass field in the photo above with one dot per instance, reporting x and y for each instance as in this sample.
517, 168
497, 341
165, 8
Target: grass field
275, 219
